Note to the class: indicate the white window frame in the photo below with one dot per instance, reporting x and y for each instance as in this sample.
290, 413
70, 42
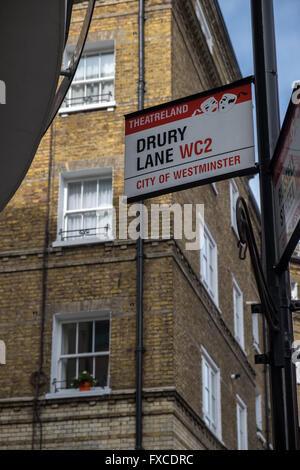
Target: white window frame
215, 189
91, 48
258, 410
255, 331
210, 259
204, 25
238, 314
80, 176
58, 320
294, 290
242, 426
213, 394
297, 365
234, 194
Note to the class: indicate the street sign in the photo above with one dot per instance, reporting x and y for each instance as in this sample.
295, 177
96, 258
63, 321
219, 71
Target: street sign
190, 142
286, 174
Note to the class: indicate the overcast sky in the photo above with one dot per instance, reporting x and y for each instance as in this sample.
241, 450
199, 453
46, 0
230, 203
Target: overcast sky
287, 25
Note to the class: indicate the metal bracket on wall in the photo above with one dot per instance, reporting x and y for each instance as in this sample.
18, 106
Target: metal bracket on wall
295, 306
262, 358
256, 308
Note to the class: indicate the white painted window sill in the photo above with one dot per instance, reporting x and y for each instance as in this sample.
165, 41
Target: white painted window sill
88, 107
74, 393
85, 241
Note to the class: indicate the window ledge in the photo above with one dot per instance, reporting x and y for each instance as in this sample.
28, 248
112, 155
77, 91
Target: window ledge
77, 393
75, 109
92, 240
257, 348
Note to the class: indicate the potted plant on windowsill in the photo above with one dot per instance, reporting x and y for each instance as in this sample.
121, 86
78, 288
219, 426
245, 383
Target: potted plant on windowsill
84, 381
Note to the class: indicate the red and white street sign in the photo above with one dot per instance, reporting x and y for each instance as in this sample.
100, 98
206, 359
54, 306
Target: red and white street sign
189, 142
287, 184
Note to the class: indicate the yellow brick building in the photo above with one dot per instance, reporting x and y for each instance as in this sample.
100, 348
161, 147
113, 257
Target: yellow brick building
68, 286
295, 283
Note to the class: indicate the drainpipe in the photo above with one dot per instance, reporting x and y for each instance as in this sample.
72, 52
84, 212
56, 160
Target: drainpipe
140, 254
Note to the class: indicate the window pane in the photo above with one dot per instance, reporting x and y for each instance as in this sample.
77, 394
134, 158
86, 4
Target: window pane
101, 370
85, 337
211, 279
92, 93
213, 397
86, 363
74, 196
92, 66
68, 338
77, 95
298, 372
68, 373
258, 411
255, 328
90, 223
107, 65
204, 268
105, 193
74, 225
107, 91
79, 75
102, 336
89, 199
104, 223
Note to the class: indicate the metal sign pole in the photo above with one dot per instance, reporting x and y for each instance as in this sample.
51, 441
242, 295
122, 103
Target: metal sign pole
285, 429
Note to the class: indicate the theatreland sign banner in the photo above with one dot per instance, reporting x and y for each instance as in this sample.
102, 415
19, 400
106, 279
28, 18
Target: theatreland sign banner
193, 141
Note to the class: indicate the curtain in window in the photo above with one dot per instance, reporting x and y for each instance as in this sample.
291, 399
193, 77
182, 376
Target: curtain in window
74, 196
79, 75
90, 223
107, 65
92, 93
105, 200
77, 94
89, 199
107, 91
74, 224
105, 193
92, 66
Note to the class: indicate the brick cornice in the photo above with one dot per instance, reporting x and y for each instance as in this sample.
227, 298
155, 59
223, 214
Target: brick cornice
184, 13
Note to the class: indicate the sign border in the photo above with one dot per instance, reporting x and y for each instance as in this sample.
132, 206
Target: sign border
182, 187
282, 263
